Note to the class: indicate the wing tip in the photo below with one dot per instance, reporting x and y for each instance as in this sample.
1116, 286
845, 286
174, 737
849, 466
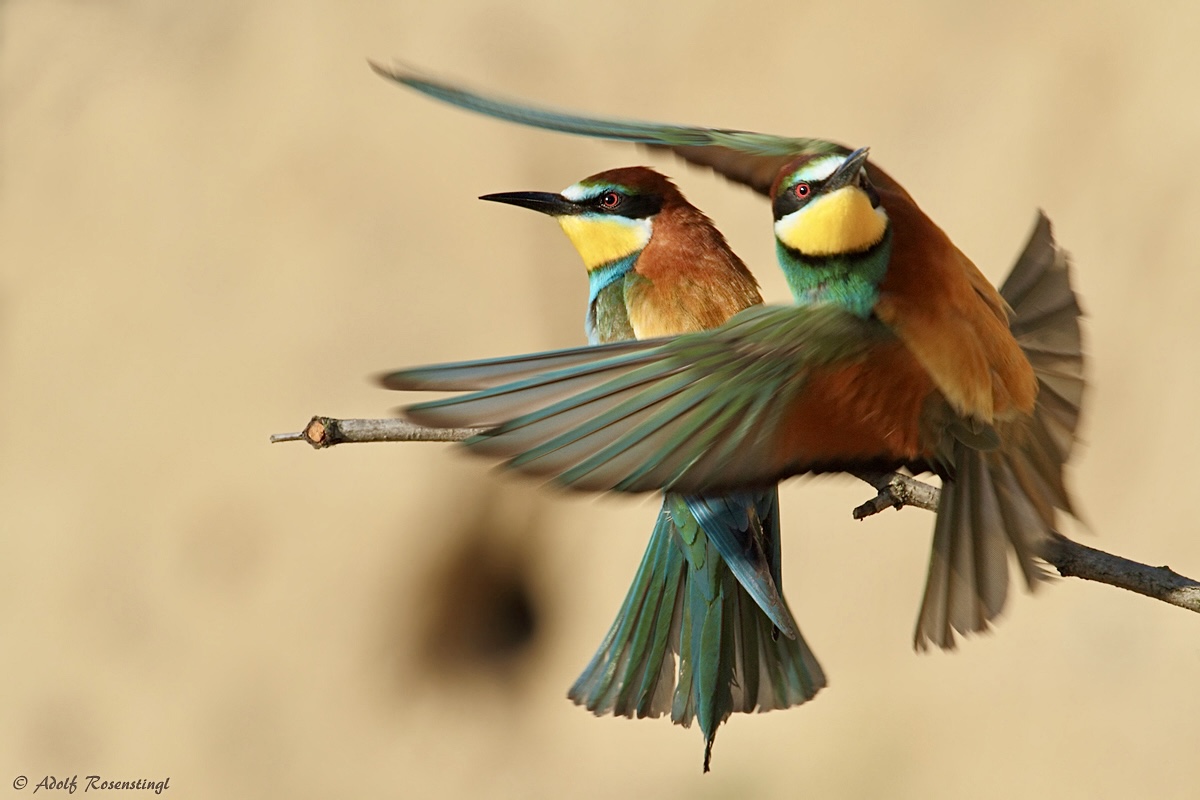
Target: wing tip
399, 71
396, 380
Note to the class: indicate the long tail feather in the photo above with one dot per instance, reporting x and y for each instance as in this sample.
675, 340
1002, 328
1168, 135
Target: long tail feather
739, 526
685, 602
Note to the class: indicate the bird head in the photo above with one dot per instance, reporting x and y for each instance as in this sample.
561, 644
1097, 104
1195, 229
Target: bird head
609, 217
826, 206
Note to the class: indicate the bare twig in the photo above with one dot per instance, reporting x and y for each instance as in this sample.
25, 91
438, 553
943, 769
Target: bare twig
1071, 559
321, 432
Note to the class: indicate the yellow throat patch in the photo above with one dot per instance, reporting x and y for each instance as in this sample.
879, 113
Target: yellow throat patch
842, 222
602, 240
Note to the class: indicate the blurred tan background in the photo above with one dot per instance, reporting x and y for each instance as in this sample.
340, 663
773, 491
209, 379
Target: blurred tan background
215, 221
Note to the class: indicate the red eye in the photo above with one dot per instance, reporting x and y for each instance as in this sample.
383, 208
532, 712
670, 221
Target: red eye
802, 190
610, 200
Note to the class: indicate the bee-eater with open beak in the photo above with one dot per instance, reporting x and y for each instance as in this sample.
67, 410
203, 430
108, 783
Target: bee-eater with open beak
982, 387
708, 587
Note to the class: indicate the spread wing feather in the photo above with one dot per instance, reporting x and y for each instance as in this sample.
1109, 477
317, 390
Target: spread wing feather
691, 413
745, 157
467, 376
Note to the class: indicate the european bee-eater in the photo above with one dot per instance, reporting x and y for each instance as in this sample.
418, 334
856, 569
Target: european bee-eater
982, 387
708, 588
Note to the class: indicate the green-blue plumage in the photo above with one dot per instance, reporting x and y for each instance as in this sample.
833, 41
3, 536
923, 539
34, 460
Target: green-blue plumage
625, 130
773, 349
850, 281
606, 276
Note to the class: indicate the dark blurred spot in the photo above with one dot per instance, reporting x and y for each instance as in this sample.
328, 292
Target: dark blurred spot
481, 613
474, 615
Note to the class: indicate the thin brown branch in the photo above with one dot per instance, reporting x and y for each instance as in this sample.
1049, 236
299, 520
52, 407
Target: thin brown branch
1074, 560
893, 490
1070, 558
321, 432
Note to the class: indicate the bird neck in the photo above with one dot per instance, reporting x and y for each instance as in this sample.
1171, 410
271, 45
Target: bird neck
607, 315
605, 275
848, 280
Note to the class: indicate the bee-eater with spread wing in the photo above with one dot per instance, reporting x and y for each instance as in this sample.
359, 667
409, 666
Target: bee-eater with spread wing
708, 588
907, 357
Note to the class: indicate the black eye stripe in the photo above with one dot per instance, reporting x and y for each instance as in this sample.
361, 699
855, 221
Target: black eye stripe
633, 206
786, 202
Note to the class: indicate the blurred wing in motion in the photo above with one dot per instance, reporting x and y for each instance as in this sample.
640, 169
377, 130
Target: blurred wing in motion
751, 159
695, 413
1008, 496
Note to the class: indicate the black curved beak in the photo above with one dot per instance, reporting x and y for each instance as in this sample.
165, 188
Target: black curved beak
847, 173
553, 204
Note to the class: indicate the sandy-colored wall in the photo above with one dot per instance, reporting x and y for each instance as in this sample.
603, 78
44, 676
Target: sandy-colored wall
216, 221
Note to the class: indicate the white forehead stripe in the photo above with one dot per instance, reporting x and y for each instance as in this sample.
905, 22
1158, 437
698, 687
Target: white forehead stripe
577, 192
818, 169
